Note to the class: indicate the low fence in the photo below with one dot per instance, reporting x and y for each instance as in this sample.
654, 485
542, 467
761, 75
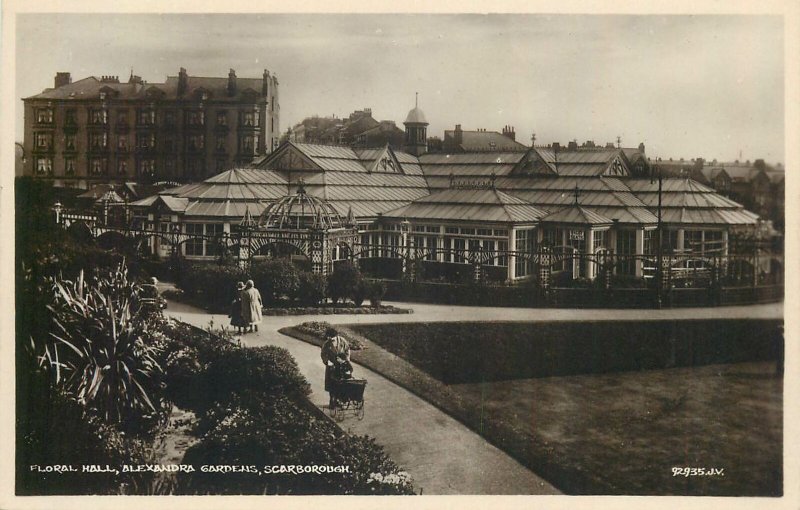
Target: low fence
579, 297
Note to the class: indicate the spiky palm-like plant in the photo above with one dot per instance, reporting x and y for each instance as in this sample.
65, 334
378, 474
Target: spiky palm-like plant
98, 348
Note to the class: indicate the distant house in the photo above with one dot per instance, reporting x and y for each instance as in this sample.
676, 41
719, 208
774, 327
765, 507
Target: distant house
101, 130
757, 186
459, 140
359, 129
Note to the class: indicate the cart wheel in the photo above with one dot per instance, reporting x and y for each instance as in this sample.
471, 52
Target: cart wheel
332, 409
340, 414
360, 412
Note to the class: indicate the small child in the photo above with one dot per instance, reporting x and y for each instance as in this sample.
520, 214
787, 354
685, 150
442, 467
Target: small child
342, 369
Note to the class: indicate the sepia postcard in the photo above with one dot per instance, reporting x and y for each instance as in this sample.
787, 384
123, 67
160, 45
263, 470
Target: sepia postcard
498, 253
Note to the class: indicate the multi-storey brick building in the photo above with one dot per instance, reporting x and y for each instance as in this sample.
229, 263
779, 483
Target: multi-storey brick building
185, 129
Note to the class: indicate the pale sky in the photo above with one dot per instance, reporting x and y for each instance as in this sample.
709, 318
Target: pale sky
686, 86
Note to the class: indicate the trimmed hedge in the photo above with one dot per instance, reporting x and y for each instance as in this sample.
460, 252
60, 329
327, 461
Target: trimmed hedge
472, 294
477, 352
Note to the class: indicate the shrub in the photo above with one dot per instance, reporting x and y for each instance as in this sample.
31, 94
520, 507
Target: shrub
625, 281
376, 291
267, 371
214, 285
59, 431
262, 432
312, 288
360, 292
343, 282
275, 279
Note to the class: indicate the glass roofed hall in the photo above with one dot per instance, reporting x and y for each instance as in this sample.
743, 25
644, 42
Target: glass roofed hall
493, 208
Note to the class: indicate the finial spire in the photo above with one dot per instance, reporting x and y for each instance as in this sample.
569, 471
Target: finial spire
416, 99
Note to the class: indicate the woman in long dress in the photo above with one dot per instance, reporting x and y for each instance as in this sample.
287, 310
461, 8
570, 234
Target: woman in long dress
235, 314
251, 306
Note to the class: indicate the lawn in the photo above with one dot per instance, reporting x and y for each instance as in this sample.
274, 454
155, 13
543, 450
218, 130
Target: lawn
615, 428
623, 433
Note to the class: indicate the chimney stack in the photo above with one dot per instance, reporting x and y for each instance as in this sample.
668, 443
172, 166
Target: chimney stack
508, 131
62, 79
458, 135
641, 148
232, 83
556, 146
573, 145
265, 84
183, 82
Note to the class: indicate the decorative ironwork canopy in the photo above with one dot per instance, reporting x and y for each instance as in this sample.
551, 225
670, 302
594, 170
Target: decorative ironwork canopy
301, 211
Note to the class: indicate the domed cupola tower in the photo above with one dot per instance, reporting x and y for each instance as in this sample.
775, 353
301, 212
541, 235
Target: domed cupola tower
416, 131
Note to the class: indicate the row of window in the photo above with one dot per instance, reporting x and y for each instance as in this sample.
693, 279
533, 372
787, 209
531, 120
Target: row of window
483, 232
145, 167
453, 249
458, 249
148, 116
147, 141
200, 246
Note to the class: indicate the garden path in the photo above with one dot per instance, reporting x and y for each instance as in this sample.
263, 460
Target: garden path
442, 455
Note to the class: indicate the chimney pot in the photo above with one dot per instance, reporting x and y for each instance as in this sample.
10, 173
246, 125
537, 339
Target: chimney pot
183, 81
232, 82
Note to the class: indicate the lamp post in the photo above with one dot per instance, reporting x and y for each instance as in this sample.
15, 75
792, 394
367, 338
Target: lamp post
660, 241
57, 208
405, 228
176, 230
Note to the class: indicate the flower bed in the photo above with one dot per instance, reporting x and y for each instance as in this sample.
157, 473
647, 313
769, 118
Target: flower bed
337, 310
314, 333
325, 309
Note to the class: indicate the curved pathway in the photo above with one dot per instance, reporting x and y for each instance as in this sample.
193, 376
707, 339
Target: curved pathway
442, 455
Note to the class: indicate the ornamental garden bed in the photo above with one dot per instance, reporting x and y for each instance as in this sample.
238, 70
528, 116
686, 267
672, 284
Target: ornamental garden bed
337, 310
322, 309
612, 430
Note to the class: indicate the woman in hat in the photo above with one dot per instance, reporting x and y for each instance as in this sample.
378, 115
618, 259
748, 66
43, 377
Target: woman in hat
251, 306
235, 314
334, 347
